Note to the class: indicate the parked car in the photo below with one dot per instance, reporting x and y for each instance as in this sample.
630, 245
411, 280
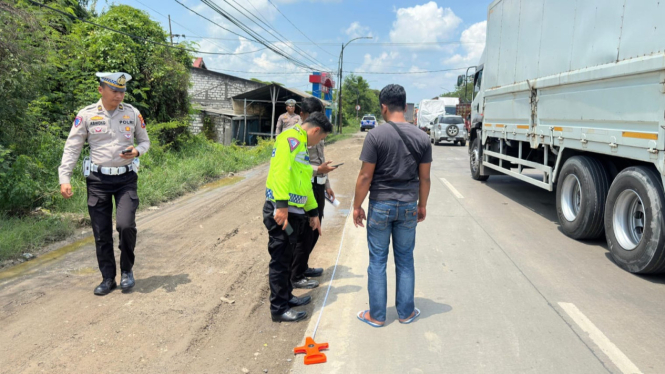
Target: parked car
448, 128
367, 123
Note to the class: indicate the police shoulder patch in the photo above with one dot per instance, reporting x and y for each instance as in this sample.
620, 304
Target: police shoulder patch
274, 151
78, 121
293, 143
142, 121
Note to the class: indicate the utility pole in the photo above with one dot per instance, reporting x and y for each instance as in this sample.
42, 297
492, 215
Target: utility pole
170, 32
339, 94
341, 65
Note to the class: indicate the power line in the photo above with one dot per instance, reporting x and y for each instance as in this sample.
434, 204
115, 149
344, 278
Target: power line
242, 36
257, 11
255, 35
408, 72
292, 24
365, 44
73, 17
285, 39
211, 21
354, 72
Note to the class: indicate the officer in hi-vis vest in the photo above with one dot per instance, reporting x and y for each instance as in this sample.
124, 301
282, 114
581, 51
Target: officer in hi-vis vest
110, 128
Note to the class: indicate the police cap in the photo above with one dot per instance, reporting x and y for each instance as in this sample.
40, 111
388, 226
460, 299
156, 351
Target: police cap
117, 81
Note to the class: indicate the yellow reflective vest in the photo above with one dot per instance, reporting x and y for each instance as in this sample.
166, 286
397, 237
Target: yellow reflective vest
290, 177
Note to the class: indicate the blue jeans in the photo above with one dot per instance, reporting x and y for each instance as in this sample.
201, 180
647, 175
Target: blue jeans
398, 219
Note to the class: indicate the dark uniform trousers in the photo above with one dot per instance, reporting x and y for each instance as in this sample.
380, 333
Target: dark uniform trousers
308, 239
102, 189
281, 247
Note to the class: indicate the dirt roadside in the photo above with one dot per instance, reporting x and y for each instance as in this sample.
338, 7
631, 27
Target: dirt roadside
190, 253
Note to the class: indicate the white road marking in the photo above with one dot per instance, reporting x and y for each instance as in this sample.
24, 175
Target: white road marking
452, 188
612, 351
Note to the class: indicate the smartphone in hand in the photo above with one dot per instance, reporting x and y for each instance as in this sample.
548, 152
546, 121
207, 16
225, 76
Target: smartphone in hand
127, 151
338, 165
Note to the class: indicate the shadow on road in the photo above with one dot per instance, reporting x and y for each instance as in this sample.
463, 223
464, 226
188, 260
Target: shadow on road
334, 292
653, 278
428, 308
538, 200
343, 272
168, 282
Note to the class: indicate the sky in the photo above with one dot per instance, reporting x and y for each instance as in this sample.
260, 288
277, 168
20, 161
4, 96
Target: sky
407, 36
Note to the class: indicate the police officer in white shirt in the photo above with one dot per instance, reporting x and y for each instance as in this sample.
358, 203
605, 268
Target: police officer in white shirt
111, 128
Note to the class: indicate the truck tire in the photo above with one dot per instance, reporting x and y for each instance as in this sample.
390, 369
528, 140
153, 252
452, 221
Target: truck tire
475, 158
634, 222
580, 197
362, 130
462, 143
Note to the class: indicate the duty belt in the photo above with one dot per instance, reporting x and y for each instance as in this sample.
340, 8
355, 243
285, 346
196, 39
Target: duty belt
320, 179
113, 170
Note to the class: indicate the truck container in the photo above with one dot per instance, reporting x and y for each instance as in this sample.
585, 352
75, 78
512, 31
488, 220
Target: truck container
570, 98
429, 110
409, 112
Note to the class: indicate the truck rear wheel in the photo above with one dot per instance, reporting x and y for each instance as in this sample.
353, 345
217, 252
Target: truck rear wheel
634, 223
475, 159
580, 197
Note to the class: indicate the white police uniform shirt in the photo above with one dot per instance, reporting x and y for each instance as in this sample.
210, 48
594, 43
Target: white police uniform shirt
108, 134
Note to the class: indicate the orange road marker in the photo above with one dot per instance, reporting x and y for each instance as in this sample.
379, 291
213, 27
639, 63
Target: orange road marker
312, 352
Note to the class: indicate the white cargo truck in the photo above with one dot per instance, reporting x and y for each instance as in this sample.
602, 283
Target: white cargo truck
570, 98
429, 110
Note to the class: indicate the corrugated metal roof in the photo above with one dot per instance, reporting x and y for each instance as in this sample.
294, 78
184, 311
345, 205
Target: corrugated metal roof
284, 94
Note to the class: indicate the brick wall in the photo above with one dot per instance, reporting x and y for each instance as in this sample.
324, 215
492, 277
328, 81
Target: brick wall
215, 90
223, 124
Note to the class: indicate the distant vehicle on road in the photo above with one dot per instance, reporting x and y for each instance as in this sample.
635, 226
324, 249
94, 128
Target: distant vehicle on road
573, 103
368, 122
429, 110
448, 129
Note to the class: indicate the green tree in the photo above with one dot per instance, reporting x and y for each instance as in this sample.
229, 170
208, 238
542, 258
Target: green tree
464, 94
47, 66
356, 91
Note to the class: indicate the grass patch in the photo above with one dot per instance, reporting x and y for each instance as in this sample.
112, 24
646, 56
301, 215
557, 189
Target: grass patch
165, 174
19, 235
347, 132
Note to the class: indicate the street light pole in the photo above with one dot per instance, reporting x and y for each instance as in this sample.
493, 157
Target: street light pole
341, 65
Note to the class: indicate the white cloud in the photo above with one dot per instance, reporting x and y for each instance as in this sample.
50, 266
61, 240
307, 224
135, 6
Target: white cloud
424, 23
356, 30
473, 43
386, 61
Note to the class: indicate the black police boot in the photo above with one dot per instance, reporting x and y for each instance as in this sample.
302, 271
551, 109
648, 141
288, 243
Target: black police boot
127, 280
313, 272
305, 283
105, 287
300, 301
290, 316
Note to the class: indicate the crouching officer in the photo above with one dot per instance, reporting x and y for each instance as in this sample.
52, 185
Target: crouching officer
288, 119
290, 208
110, 127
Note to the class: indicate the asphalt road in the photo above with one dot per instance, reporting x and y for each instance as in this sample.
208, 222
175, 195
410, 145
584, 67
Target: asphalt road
501, 290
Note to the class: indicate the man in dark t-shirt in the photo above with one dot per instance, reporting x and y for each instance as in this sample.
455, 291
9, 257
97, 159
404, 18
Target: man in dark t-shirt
396, 157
